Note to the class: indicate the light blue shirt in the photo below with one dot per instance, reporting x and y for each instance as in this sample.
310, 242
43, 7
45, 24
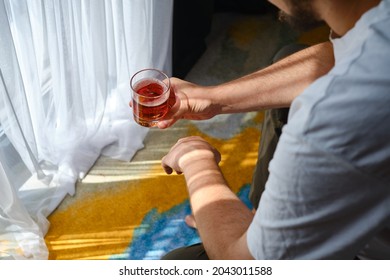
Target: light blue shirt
328, 193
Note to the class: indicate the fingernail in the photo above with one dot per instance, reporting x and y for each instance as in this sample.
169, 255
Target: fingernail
162, 124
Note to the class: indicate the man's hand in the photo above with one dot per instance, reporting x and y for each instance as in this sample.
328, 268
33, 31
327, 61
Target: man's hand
188, 151
192, 103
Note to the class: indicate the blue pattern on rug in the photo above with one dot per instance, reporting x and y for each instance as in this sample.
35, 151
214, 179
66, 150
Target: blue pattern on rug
160, 233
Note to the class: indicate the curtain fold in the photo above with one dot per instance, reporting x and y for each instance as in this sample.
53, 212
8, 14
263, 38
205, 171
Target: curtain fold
64, 100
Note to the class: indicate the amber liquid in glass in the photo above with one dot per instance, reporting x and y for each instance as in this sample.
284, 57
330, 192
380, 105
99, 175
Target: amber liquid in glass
151, 102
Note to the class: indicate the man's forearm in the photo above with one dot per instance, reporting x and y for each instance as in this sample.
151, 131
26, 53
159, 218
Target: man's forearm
222, 219
277, 85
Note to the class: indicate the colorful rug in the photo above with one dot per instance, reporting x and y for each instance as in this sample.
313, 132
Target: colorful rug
133, 210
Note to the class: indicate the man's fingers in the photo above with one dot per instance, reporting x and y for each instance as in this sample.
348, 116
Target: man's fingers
166, 167
165, 123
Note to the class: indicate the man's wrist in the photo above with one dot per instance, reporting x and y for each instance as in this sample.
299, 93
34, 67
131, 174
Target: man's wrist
203, 173
197, 159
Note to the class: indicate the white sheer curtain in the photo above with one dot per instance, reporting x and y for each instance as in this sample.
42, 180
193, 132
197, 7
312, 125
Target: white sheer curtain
64, 93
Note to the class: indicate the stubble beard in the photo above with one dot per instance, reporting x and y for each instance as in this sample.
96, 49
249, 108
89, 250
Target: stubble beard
302, 17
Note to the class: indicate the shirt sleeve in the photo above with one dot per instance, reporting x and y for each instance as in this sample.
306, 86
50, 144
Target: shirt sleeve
315, 205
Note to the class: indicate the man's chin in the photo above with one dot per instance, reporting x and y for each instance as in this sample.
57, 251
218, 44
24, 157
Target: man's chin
300, 23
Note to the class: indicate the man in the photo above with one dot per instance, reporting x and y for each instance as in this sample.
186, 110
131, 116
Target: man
328, 191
